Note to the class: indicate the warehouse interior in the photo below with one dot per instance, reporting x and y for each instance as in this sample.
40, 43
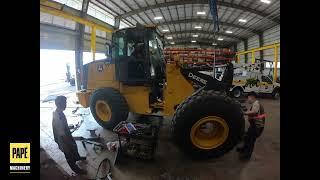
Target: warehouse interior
84, 50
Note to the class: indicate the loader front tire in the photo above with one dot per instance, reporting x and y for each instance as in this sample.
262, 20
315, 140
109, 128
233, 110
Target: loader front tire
108, 107
237, 92
276, 93
208, 124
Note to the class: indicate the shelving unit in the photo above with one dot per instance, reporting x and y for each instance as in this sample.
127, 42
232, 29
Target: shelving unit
199, 56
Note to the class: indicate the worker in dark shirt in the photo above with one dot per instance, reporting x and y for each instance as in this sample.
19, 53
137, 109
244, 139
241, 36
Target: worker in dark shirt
256, 118
63, 137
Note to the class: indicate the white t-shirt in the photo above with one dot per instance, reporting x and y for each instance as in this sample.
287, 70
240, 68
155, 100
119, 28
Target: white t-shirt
256, 108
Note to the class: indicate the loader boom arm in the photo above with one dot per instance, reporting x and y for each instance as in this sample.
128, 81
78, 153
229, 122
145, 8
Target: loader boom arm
208, 82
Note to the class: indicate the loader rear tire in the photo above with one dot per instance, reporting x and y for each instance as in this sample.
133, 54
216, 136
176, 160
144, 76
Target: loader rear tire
108, 107
202, 111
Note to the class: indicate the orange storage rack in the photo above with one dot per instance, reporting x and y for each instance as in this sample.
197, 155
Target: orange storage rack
199, 55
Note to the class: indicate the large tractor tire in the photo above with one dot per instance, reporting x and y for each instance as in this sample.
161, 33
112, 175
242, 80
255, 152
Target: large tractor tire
108, 107
208, 124
237, 92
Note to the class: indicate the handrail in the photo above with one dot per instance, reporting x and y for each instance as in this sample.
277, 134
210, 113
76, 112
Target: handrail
274, 46
259, 49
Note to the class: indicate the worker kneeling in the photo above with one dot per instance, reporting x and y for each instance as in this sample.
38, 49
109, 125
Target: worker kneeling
256, 118
63, 137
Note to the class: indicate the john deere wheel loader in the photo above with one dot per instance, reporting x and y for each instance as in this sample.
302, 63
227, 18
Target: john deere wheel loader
206, 122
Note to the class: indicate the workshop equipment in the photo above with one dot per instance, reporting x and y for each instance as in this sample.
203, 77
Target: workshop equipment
140, 139
73, 128
104, 168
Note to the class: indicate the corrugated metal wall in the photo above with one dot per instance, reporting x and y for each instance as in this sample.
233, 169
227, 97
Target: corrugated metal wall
270, 36
253, 42
240, 47
59, 33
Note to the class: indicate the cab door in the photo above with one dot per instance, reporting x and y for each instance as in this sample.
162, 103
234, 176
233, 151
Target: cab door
266, 85
130, 59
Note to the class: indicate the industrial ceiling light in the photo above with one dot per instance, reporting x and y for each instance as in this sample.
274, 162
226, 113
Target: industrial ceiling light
195, 35
266, 1
165, 30
193, 41
197, 27
214, 44
172, 43
157, 17
169, 37
242, 20
201, 13
220, 39
229, 32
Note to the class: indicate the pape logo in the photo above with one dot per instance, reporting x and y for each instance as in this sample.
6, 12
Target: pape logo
19, 154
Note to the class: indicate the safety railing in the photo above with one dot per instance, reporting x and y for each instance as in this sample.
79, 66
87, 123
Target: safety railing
252, 52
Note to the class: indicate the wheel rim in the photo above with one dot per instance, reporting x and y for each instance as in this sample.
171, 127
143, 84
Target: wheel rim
237, 93
103, 110
209, 132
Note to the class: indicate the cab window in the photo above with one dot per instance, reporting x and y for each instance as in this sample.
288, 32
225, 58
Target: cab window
118, 45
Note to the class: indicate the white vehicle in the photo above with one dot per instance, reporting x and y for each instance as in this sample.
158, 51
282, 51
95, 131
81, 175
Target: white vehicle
249, 78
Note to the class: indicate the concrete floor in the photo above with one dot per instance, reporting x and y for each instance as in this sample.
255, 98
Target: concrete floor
170, 163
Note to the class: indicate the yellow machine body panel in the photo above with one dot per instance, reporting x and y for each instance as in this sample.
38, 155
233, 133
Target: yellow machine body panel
102, 75
137, 98
84, 98
177, 89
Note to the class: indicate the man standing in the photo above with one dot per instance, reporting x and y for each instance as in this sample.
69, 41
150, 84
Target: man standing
256, 118
68, 72
63, 137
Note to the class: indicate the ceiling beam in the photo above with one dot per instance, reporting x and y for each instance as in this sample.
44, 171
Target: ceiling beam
182, 2
208, 21
204, 32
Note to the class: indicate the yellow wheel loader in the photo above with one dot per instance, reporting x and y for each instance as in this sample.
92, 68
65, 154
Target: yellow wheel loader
206, 122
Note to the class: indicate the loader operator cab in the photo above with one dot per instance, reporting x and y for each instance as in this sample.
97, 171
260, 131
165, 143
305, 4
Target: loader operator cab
138, 56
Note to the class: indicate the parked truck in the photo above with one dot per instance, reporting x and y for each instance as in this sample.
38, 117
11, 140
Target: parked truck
249, 77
